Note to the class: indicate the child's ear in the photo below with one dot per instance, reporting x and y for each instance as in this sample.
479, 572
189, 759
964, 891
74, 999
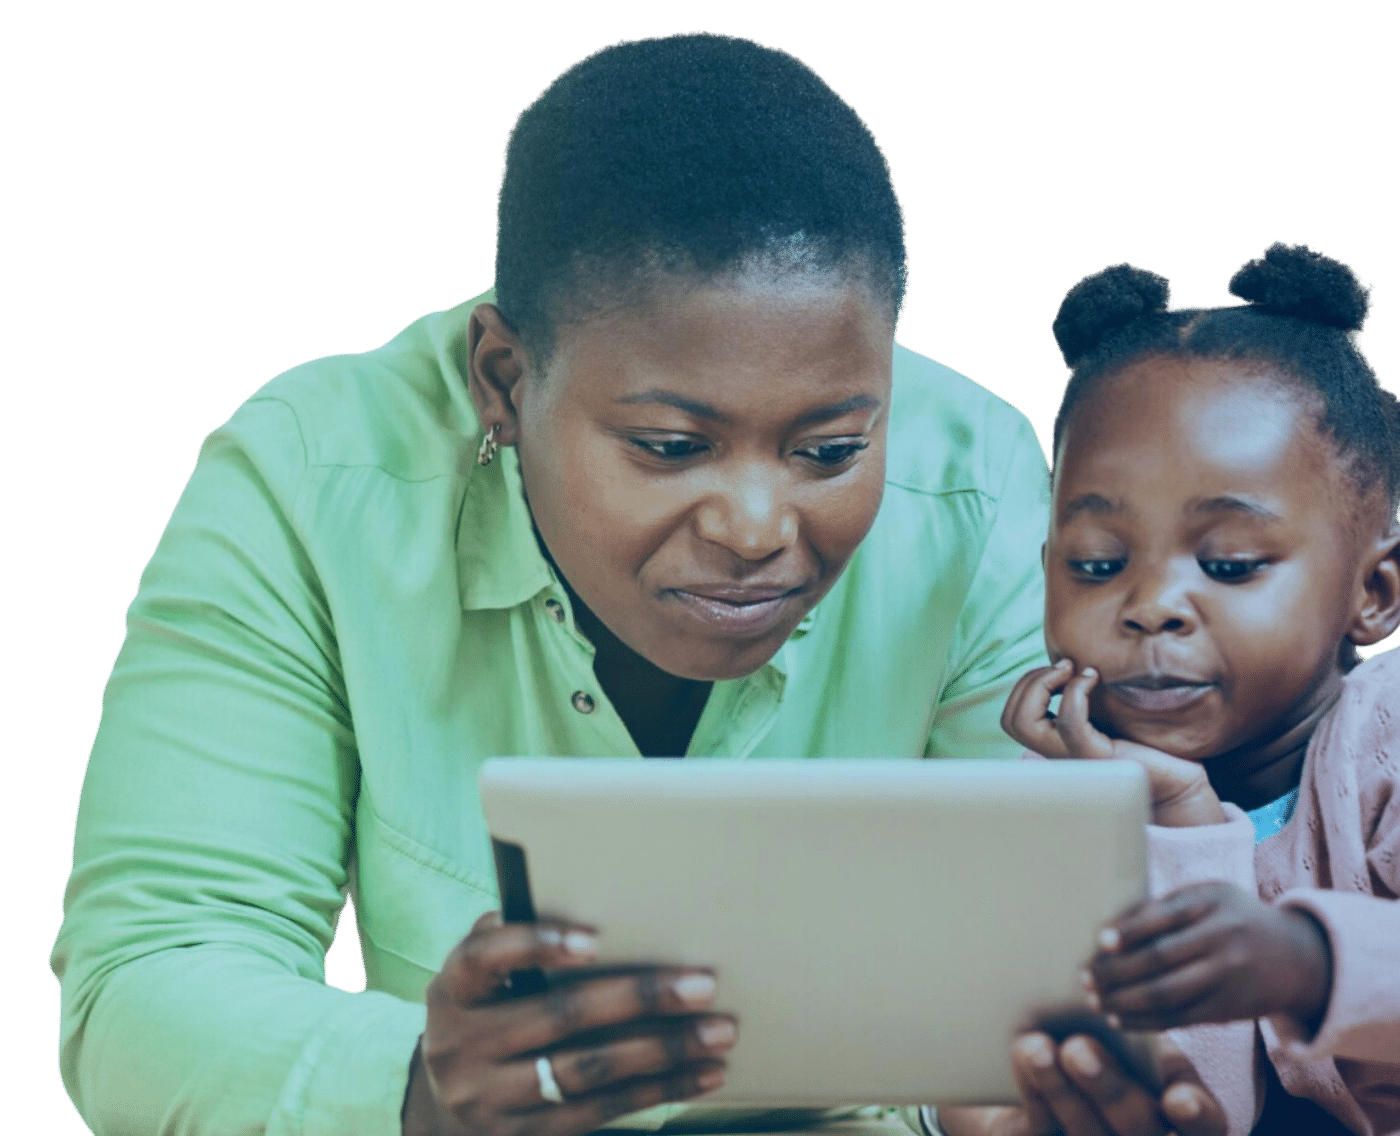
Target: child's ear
1378, 613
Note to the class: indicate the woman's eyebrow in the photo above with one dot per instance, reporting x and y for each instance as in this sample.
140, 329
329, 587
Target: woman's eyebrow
709, 413
680, 402
837, 409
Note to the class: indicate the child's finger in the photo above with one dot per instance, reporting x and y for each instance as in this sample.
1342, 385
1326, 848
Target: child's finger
1154, 918
1080, 736
1026, 715
1180, 996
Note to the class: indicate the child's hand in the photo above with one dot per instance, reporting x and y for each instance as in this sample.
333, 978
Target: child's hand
1211, 952
1181, 792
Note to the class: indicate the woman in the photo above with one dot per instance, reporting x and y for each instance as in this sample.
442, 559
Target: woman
659, 496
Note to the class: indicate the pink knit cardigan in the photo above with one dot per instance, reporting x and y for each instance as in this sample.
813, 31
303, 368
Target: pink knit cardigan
1339, 859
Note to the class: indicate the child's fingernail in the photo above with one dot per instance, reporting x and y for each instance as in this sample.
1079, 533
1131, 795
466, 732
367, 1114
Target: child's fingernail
1089, 672
1062, 664
550, 936
1109, 939
580, 943
1113, 1020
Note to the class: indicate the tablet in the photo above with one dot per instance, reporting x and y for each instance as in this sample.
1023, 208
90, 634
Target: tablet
879, 928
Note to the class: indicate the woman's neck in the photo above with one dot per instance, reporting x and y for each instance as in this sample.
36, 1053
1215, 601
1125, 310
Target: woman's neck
1272, 765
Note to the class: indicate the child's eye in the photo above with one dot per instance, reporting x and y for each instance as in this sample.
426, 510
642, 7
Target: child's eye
833, 454
669, 449
1232, 571
1096, 569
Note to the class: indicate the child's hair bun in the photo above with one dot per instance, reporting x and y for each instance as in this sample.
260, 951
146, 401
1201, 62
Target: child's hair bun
1295, 281
1103, 303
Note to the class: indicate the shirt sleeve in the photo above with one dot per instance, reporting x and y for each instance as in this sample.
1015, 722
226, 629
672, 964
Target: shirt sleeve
999, 632
1362, 1021
214, 836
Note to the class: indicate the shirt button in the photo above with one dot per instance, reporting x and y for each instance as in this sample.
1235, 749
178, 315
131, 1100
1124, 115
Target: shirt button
583, 703
555, 609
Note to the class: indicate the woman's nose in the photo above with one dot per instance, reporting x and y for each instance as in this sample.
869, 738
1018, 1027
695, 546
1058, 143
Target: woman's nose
749, 516
1158, 604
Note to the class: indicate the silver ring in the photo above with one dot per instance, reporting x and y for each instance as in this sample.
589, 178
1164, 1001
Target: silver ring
549, 1087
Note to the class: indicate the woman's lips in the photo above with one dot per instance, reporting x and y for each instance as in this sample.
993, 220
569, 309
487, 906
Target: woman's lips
1160, 694
737, 613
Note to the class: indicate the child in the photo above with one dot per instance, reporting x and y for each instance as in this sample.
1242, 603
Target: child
1223, 537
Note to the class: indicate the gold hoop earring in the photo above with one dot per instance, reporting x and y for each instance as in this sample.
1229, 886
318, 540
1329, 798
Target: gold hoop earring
489, 446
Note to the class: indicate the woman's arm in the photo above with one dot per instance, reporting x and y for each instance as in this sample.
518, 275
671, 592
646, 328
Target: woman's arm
214, 835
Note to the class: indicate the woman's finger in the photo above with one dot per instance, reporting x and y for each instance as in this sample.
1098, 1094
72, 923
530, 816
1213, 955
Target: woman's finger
1123, 1103
542, 1021
574, 1117
480, 963
1188, 1104
1081, 738
1026, 715
587, 1069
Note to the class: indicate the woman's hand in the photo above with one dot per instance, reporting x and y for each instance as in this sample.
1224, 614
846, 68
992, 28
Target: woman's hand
1079, 1089
1181, 791
1211, 952
474, 1072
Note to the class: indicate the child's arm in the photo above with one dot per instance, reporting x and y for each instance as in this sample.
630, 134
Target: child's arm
1361, 1018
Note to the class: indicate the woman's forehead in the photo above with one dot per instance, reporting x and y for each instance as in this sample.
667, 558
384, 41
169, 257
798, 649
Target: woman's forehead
738, 345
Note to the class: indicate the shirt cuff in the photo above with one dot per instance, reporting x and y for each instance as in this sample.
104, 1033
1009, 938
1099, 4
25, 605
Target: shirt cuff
353, 1071
1193, 854
1362, 1019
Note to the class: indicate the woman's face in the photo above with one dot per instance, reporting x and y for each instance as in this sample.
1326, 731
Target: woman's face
701, 469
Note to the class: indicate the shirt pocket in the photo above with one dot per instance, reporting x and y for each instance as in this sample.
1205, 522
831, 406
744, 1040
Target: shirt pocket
413, 906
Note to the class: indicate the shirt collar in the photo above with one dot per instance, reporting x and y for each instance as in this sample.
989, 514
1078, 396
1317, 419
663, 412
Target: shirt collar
499, 563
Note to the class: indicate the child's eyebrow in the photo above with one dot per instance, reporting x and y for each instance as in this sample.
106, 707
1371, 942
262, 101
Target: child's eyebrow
1094, 503
1234, 505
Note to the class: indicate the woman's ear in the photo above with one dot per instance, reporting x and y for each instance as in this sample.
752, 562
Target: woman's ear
496, 362
1378, 613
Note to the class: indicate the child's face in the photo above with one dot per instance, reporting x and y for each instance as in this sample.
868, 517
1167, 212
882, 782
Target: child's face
1203, 554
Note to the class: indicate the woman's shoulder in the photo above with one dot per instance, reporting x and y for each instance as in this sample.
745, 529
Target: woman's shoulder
402, 407
950, 435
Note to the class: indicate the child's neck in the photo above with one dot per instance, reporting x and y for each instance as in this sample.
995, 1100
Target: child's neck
1271, 765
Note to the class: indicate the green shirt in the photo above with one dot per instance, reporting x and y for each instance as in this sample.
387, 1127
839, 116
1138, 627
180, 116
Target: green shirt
344, 618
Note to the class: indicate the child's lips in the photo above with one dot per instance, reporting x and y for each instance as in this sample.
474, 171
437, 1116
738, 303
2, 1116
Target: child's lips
1159, 694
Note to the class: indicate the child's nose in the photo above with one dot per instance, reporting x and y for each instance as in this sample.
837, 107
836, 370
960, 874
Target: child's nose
1158, 607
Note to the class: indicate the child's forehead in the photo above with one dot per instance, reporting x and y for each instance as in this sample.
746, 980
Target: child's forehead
1194, 427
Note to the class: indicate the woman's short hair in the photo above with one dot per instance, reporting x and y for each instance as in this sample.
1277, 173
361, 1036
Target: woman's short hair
693, 156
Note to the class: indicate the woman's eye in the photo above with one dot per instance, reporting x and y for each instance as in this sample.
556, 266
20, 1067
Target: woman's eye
1231, 571
833, 453
1096, 569
670, 449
